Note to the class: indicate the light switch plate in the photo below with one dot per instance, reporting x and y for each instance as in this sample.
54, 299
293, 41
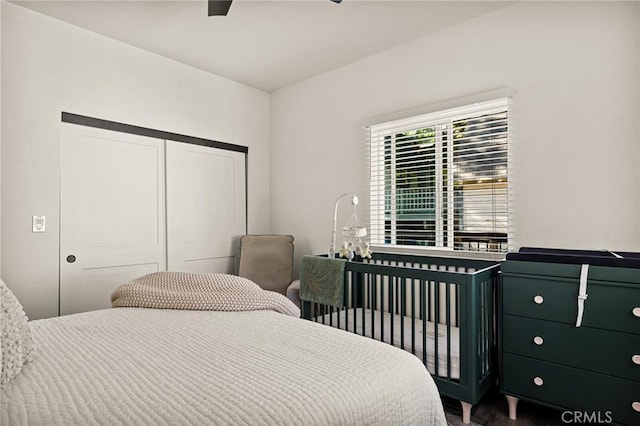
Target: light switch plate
38, 223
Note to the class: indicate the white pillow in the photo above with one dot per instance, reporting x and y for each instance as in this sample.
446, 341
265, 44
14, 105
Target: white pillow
16, 346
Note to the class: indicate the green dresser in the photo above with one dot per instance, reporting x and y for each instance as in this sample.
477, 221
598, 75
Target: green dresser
589, 372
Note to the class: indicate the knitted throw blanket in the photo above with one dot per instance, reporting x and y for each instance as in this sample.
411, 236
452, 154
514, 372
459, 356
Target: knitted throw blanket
191, 291
322, 280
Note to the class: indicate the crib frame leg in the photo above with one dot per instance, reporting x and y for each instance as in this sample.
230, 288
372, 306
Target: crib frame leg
466, 412
513, 406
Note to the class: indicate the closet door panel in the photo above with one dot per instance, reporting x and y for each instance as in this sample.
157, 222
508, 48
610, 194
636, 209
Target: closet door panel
112, 217
206, 207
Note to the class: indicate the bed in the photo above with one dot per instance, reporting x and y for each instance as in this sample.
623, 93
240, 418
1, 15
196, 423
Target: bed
141, 366
405, 301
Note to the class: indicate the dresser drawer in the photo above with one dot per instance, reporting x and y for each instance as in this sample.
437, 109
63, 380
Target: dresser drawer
604, 351
608, 306
571, 388
612, 307
538, 297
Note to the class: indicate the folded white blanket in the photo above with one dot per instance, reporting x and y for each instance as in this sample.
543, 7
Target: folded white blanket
204, 292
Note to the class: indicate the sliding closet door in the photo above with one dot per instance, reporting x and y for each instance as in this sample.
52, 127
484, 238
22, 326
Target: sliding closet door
112, 213
206, 207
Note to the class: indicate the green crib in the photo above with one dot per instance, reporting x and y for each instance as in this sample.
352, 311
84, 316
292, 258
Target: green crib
440, 309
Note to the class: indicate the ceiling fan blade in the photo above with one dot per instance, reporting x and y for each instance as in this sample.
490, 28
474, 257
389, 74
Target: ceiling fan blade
219, 7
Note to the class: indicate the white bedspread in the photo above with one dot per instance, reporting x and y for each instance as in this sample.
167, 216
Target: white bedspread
139, 366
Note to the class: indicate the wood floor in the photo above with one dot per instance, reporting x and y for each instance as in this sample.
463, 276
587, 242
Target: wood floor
492, 411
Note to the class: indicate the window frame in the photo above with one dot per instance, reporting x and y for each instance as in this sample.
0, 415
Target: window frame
484, 104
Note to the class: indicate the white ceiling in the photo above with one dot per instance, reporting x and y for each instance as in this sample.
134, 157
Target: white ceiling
266, 44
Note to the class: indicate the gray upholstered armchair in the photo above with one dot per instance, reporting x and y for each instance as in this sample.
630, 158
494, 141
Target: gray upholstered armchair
267, 260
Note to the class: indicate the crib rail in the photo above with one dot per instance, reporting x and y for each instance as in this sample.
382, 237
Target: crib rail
439, 309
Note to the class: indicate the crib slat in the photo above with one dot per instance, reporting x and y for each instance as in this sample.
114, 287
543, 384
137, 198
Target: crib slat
397, 291
421, 297
436, 319
362, 308
448, 322
403, 310
354, 283
489, 325
347, 305
392, 285
381, 278
372, 305
413, 317
423, 293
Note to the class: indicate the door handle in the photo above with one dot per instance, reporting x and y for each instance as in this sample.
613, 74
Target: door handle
71, 258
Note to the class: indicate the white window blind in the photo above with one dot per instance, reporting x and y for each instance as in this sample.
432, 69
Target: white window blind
440, 179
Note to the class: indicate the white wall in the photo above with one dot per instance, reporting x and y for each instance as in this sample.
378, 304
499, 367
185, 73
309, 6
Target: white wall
49, 67
1, 7
574, 68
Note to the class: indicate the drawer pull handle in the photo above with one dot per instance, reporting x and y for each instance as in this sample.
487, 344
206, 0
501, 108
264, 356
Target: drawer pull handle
538, 381
636, 359
636, 406
538, 299
538, 340
636, 312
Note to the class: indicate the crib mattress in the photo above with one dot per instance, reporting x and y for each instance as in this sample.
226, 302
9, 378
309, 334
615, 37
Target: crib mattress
448, 349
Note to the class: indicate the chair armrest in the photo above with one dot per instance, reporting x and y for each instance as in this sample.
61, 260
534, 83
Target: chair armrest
293, 292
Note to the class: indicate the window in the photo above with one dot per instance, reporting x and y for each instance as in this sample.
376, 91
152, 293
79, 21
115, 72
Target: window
440, 179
